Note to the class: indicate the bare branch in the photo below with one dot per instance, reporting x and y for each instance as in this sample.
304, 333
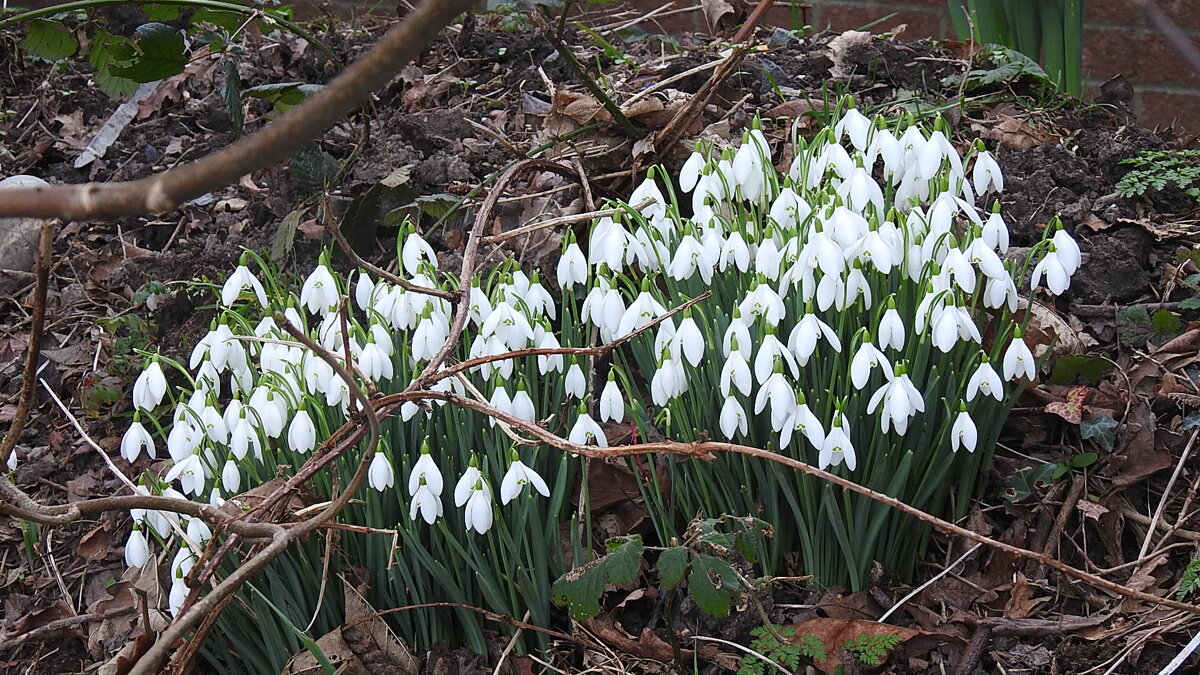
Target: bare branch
274, 143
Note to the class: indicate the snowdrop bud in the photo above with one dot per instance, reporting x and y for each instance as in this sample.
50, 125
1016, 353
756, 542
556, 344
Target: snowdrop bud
855, 125
963, 432
478, 514
150, 387
12, 460
231, 477
467, 483
891, 328
574, 382
572, 267
689, 175
986, 175
733, 418
137, 550
198, 530
415, 251
302, 434
1067, 250
380, 474
691, 339
612, 405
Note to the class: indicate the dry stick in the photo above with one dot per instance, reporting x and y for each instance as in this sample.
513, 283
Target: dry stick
37, 329
752, 21
913, 593
382, 273
274, 143
605, 100
1166, 495
704, 450
187, 617
668, 136
1064, 513
561, 220
12, 642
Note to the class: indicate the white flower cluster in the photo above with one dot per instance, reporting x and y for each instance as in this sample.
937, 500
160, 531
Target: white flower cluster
870, 244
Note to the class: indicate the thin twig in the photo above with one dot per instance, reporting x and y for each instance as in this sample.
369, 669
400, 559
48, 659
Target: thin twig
562, 220
1166, 495
14, 641
913, 593
37, 328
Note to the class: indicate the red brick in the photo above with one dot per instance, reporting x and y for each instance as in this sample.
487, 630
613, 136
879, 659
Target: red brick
1169, 108
1116, 12
921, 23
1185, 13
1145, 57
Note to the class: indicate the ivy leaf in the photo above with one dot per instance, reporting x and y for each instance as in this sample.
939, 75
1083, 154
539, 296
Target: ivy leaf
1099, 430
49, 40
161, 54
1068, 369
671, 566
1190, 303
580, 589
1024, 482
1191, 421
1137, 326
712, 583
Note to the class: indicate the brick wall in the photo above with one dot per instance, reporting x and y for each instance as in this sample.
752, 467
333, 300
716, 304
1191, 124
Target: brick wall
1118, 40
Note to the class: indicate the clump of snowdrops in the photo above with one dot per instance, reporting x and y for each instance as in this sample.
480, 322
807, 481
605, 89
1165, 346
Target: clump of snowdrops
862, 320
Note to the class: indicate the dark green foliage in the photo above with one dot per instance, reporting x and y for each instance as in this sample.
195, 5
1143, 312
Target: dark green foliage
767, 641
871, 650
1158, 170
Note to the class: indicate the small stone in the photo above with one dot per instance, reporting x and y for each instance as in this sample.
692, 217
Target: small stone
19, 236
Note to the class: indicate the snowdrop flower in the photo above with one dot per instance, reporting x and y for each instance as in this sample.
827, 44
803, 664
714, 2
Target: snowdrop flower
900, 400
380, 475
1018, 360
467, 483
575, 383
12, 460
648, 189
545, 339
789, 209
866, 358
669, 380
690, 339
135, 439
501, 401
429, 335
415, 251
478, 514
640, 313
963, 432
243, 438
689, 174
748, 170
1067, 250
772, 352
837, 446
1000, 292
137, 550
733, 418
762, 300
735, 373
891, 328
198, 531
802, 420
522, 404
320, 292
150, 387
737, 336
860, 190
985, 381
425, 472
231, 477
802, 341
517, 478
612, 405
425, 504
183, 440
572, 266
995, 230
855, 125
242, 278
508, 324
986, 175
302, 434
780, 395
190, 473
736, 251
585, 430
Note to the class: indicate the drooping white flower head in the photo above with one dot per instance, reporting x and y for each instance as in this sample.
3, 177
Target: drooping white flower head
517, 478
380, 475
